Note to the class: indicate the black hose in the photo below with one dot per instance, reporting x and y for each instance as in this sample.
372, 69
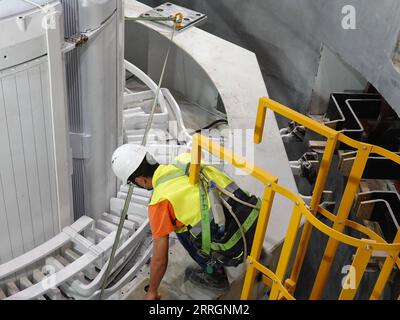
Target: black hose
212, 125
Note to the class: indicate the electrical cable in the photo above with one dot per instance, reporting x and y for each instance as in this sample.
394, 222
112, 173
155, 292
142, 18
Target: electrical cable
130, 77
117, 238
231, 195
213, 124
205, 109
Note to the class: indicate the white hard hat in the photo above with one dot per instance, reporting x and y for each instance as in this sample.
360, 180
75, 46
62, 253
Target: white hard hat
127, 159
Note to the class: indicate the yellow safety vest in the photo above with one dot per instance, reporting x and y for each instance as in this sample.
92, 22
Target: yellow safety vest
183, 196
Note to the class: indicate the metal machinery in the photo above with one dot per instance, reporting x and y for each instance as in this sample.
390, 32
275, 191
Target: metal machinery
61, 117
35, 173
95, 98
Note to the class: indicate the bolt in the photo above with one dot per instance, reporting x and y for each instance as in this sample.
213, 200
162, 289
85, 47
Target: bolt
364, 148
268, 185
330, 138
368, 247
297, 203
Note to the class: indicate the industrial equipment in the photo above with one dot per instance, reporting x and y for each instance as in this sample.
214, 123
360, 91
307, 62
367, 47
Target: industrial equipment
78, 78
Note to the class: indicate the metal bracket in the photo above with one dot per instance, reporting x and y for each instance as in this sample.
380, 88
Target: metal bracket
306, 166
326, 199
190, 17
293, 133
78, 39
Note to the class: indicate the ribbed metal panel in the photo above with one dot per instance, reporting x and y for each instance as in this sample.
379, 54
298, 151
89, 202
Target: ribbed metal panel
71, 21
71, 17
78, 184
28, 195
74, 94
72, 60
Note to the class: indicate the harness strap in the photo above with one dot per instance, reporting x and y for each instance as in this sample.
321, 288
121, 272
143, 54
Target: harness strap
205, 221
169, 177
183, 171
207, 245
237, 235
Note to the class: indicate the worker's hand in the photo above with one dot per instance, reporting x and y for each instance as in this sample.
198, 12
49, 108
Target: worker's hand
152, 296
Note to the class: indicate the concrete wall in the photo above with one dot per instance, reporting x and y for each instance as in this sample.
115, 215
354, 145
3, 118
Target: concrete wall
287, 36
334, 75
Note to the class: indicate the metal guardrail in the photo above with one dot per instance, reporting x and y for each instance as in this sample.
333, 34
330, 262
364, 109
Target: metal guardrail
365, 247
282, 288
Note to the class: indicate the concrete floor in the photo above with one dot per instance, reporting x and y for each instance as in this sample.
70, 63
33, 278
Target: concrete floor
174, 285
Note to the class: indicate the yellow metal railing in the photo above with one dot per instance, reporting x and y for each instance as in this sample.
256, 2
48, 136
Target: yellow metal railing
282, 288
365, 247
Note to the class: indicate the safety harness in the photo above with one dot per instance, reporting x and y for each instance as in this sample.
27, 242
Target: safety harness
228, 250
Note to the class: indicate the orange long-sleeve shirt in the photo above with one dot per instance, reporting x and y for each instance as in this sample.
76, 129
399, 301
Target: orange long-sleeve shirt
163, 220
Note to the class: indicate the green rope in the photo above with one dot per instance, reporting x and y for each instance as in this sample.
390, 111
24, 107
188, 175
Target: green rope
144, 142
110, 265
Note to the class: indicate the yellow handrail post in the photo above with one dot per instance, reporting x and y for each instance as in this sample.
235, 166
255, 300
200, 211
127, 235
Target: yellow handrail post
195, 164
314, 205
287, 250
387, 269
260, 121
357, 270
259, 235
344, 209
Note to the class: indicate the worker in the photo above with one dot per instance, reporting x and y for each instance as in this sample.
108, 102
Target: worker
175, 206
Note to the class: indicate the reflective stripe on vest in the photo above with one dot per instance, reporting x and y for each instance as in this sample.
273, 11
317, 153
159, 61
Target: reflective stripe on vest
183, 196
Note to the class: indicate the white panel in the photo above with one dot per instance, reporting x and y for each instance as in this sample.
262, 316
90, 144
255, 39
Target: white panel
10, 213
7, 177
92, 13
29, 145
28, 203
37, 100
5, 240
12, 7
22, 37
53, 220
21, 212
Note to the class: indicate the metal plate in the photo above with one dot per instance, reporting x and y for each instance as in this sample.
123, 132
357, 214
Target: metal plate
190, 17
342, 117
10, 8
377, 167
382, 207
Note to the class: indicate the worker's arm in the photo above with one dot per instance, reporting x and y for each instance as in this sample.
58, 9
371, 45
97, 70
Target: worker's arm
159, 263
